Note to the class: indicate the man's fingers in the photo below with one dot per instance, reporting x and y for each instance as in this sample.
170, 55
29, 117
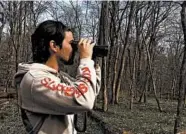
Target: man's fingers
85, 48
93, 44
89, 42
85, 41
81, 41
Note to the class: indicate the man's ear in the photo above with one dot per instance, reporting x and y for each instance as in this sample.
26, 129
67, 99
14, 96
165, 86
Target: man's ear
53, 46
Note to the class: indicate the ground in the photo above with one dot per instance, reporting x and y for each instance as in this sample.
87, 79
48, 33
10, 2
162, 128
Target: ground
143, 119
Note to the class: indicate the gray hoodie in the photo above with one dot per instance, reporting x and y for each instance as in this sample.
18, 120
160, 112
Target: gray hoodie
42, 89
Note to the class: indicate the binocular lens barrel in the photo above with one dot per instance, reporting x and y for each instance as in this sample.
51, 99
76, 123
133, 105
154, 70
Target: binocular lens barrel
98, 51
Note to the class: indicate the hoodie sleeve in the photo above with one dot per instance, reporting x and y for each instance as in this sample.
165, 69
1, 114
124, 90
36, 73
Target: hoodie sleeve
54, 97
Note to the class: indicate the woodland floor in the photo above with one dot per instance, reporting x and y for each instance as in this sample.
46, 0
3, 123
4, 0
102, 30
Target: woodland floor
143, 119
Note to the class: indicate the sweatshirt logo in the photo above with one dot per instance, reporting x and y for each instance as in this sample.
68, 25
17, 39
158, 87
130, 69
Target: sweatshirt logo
69, 90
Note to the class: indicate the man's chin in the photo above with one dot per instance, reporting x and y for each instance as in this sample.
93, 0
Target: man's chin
69, 62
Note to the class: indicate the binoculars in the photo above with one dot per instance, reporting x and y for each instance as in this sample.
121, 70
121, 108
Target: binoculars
98, 51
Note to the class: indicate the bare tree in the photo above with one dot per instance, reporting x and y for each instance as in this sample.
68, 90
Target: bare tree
103, 40
117, 16
182, 80
120, 73
2, 20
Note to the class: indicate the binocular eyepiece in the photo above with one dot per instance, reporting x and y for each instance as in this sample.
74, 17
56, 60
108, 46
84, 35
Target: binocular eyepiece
98, 51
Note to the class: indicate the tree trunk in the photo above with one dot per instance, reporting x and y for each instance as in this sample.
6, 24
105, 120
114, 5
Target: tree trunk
2, 21
178, 121
103, 40
115, 27
144, 86
132, 75
115, 24
173, 88
151, 75
120, 73
104, 83
115, 76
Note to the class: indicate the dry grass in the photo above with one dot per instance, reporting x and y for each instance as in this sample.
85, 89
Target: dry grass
144, 118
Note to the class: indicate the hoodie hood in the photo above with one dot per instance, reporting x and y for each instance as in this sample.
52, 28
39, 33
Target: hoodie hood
23, 68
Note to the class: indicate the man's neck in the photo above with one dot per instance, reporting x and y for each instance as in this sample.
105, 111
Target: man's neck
52, 62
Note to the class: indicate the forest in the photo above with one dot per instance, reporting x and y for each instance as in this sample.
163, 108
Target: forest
143, 87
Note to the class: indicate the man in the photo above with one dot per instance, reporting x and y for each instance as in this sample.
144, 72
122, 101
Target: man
48, 102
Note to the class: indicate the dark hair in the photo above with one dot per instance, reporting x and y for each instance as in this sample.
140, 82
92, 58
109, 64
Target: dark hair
44, 33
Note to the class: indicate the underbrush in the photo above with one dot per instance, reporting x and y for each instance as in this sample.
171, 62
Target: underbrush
143, 118
10, 122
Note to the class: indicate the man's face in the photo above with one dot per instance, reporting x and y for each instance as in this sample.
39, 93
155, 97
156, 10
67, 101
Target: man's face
66, 51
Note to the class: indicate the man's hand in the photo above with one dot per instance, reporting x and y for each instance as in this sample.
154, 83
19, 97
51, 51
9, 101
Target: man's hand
85, 48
